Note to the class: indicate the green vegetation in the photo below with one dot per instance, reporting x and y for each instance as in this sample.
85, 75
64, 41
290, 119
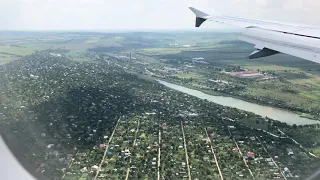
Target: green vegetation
6, 58
83, 103
16, 50
78, 55
192, 75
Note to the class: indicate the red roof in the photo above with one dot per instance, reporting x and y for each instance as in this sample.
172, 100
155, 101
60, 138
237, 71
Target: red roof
102, 145
235, 149
250, 154
164, 126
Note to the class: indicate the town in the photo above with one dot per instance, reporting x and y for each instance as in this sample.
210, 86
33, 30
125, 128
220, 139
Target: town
102, 115
112, 124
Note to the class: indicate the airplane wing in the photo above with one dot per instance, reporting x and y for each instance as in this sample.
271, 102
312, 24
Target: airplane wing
272, 37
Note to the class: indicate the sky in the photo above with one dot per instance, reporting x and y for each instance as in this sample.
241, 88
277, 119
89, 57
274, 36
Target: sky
144, 14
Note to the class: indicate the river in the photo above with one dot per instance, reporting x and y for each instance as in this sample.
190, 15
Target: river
271, 112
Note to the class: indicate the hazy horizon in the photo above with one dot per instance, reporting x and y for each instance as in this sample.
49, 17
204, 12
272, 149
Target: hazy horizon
227, 30
142, 14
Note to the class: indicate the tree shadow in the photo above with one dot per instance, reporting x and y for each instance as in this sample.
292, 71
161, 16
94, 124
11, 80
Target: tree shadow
79, 118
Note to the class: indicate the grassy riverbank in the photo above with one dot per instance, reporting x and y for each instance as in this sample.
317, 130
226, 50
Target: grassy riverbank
216, 93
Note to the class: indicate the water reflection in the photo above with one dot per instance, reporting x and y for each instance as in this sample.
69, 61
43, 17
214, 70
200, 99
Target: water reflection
273, 113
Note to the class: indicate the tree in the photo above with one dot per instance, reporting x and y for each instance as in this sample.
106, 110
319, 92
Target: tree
209, 177
139, 175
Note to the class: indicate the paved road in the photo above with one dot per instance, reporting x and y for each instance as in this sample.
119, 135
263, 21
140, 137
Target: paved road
159, 155
297, 143
271, 158
214, 155
134, 143
105, 152
186, 151
244, 160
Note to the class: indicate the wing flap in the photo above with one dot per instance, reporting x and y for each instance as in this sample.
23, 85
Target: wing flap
282, 43
294, 39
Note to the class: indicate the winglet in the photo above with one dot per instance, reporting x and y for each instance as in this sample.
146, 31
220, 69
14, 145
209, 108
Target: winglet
200, 16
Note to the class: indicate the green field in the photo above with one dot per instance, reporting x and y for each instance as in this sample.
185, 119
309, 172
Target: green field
278, 62
93, 40
20, 51
316, 151
189, 75
176, 50
5, 58
11, 53
77, 55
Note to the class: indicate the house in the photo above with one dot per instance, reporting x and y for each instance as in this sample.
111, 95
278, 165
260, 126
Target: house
50, 145
164, 126
95, 167
271, 163
82, 154
250, 155
180, 147
231, 127
127, 152
213, 135
206, 158
235, 150
290, 152
84, 169
42, 165
102, 145
268, 159
198, 58
286, 169
55, 153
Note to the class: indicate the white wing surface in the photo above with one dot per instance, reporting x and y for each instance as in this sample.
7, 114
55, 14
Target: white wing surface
272, 37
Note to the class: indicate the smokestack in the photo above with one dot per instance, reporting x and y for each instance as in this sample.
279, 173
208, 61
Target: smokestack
130, 56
